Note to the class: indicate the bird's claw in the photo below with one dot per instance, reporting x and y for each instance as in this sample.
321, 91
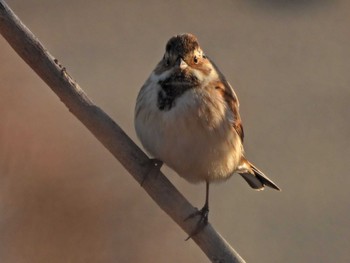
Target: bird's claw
202, 222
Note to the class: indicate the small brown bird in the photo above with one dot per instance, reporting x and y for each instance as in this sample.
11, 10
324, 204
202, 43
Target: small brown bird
187, 115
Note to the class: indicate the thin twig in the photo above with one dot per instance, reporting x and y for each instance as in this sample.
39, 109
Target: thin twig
110, 135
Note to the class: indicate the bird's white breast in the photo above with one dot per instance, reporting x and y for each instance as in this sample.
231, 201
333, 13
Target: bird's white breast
195, 137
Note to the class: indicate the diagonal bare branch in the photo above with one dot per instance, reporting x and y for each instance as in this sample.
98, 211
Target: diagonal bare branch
110, 135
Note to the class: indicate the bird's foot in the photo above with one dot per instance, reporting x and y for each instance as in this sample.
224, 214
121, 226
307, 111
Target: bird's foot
155, 166
202, 222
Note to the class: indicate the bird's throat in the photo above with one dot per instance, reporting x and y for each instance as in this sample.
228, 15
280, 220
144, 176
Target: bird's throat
173, 87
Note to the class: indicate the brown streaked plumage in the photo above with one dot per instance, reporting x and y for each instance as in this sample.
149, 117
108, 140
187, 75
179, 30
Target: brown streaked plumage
232, 102
187, 115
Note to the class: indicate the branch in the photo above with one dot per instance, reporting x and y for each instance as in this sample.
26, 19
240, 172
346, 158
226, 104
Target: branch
110, 135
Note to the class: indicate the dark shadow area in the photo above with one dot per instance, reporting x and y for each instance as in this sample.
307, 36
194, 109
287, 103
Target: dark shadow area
290, 5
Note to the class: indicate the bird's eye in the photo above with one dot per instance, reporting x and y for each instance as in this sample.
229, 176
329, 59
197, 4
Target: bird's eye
195, 60
167, 62
204, 56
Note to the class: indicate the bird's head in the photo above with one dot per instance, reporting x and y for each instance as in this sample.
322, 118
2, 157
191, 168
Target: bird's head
184, 58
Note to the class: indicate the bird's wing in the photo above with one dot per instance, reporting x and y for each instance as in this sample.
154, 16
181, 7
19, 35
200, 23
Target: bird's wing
232, 102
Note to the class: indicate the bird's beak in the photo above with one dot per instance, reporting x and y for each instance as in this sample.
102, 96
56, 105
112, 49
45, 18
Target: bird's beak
181, 63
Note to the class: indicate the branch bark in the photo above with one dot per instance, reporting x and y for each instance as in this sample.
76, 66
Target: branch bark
111, 135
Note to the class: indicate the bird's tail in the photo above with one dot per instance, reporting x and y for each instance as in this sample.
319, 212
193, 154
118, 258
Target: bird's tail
254, 177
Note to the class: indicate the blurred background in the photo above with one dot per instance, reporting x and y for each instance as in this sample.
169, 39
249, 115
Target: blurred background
64, 198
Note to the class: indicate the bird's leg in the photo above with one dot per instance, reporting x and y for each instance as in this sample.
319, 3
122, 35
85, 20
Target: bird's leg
203, 213
155, 166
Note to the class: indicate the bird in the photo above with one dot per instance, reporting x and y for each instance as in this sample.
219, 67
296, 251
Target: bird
187, 116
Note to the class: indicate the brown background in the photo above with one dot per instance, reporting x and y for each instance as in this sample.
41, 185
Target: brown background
63, 198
